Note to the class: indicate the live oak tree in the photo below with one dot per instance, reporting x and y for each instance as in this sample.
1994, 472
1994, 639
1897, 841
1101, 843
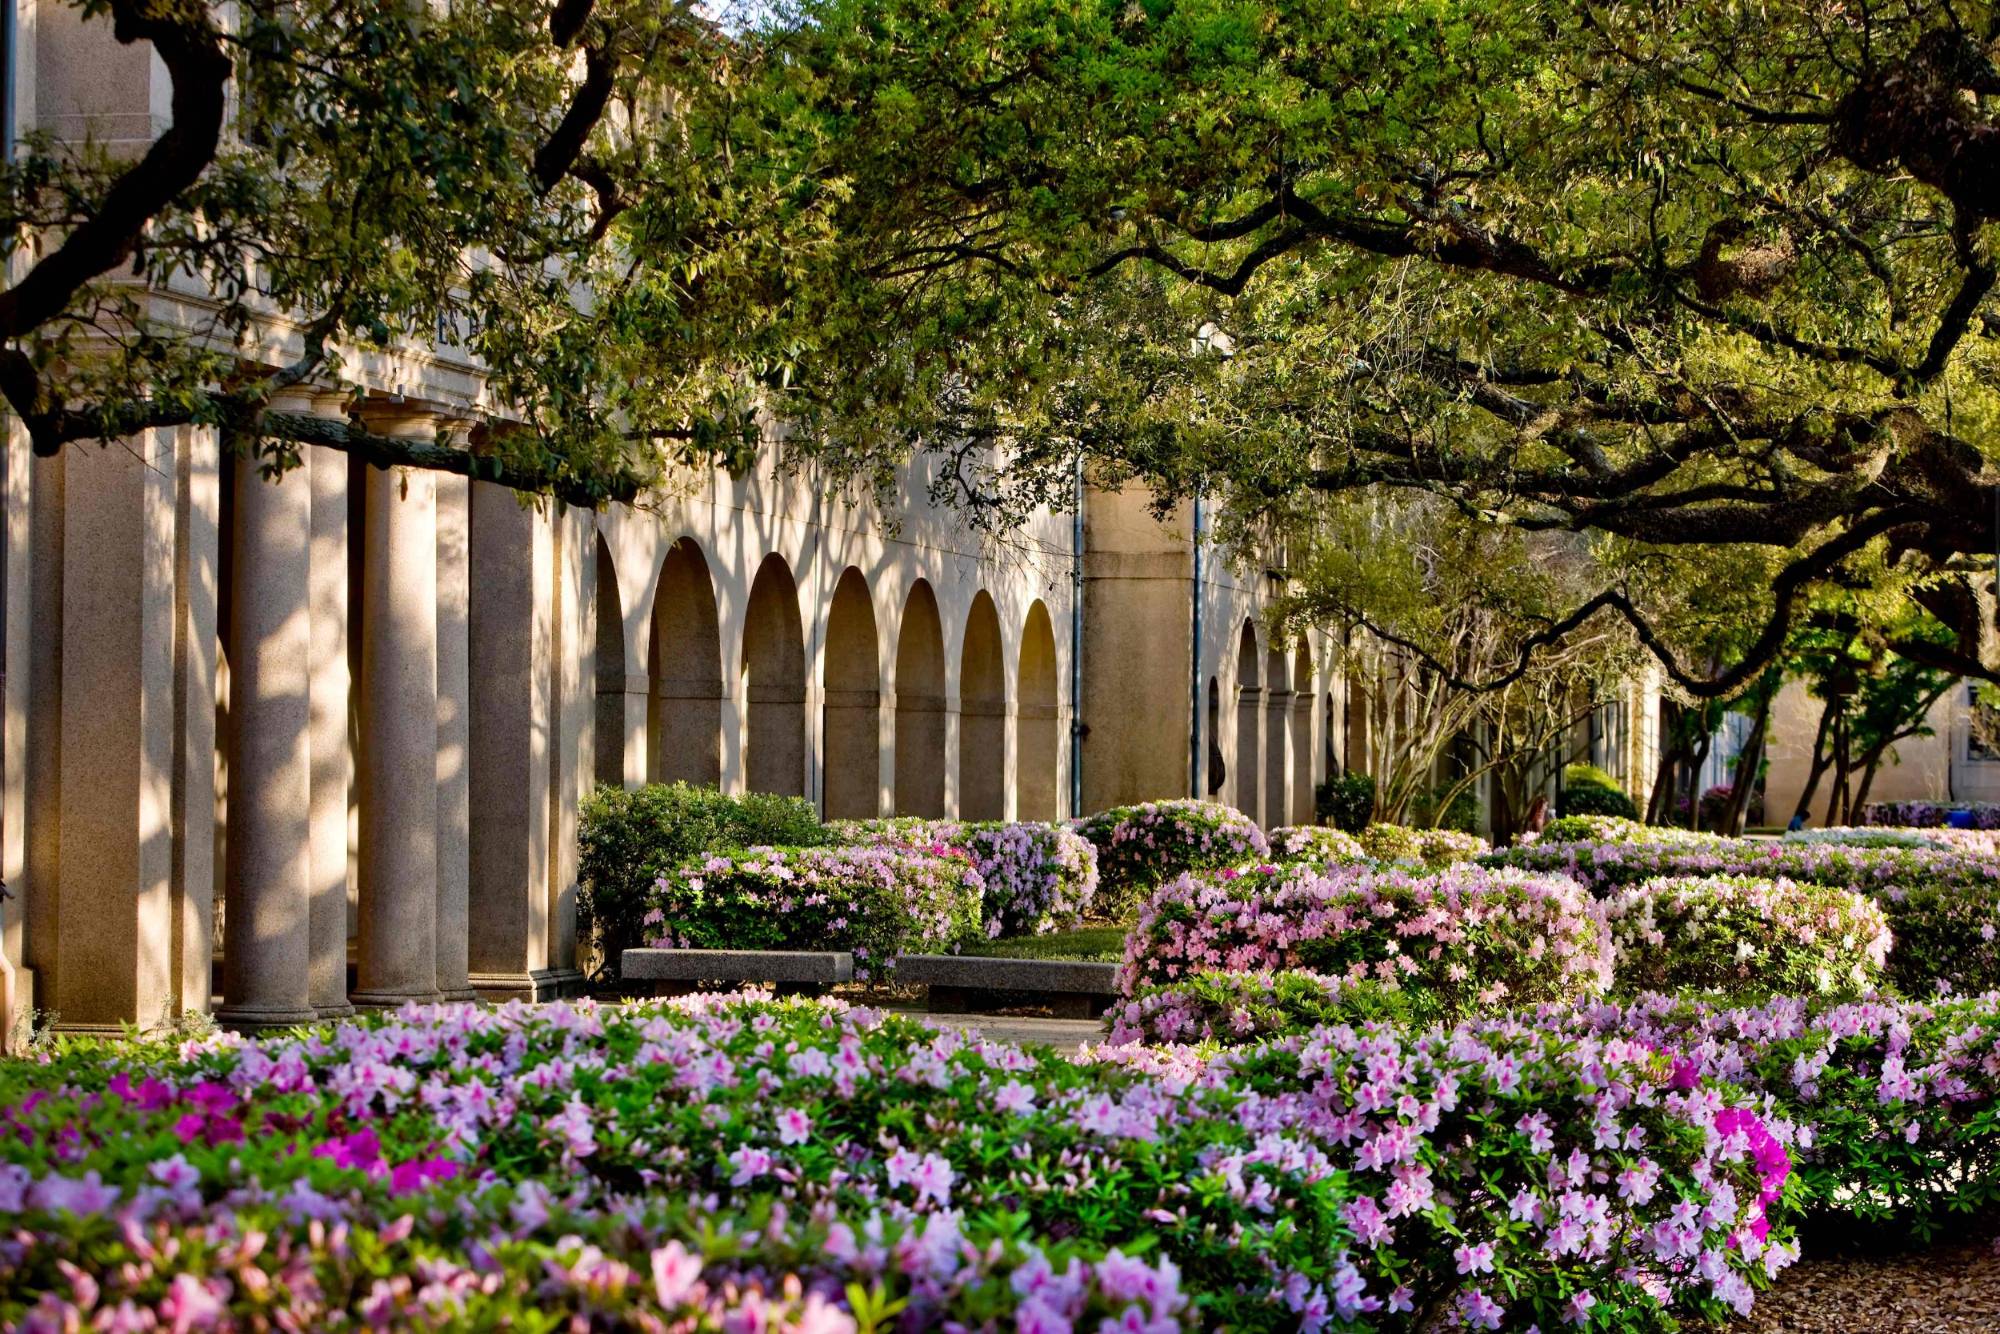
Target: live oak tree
546, 188
1692, 273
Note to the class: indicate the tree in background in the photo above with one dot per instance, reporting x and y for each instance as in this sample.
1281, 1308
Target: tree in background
1691, 274
1430, 596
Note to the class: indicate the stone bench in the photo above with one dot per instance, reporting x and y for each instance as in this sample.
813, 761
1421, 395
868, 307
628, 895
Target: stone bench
793, 972
975, 984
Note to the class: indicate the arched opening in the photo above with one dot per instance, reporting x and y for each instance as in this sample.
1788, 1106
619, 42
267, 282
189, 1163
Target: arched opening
684, 664
1277, 738
1249, 723
1038, 736
982, 715
1218, 768
920, 706
1302, 735
853, 695
774, 683
608, 740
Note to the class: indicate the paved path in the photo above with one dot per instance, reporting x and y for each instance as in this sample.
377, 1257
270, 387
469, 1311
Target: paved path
1067, 1033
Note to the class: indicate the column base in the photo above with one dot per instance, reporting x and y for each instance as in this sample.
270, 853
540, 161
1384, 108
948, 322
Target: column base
540, 984
340, 1011
390, 1000
255, 1020
459, 995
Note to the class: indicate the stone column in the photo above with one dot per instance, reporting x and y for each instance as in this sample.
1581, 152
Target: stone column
1305, 756
512, 739
17, 600
1277, 760
454, 731
115, 796
1247, 764
398, 761
332, 684
267, 934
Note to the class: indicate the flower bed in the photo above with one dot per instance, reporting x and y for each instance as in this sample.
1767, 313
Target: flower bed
1232, 1009
1943, 908
1737, 934
1038, 877
1613, 829
1142, 847
877, 900
1434, 848
736, 1164
1468, 937
1316, 844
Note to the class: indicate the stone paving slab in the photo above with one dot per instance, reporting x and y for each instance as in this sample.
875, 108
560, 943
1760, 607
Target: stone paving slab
791, 966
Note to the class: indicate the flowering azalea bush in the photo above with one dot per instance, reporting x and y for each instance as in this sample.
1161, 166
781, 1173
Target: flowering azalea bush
878, 900
1231, 1009
1931, 814
1985, 842
1504, 1175
1421, 847
1038, 877
730, 1163
1467, 937
1893, 1105
1140, 847
1615, 829
1736, 934
1321, 845
1943, 907
628, 838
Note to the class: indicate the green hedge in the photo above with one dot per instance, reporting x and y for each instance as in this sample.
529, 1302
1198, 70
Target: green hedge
626, 840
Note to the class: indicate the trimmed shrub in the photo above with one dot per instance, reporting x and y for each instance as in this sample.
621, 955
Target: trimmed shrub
1896, 1103
1716, 801
877, 900
1932, 814
1943, 908
1316, 844
1434, 848
1742, 935
1588, 790
1231, 1009
729, 1163
1472, 939
626, 840
1038, 877
1616, 829
1142, 847
1345, 801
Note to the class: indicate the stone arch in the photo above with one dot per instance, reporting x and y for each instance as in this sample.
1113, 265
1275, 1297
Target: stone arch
852, 677
684, 666
920, 706
982, 715
774, 683
1038, 739
1249, 723
1303, 694
608, 739
1277, 737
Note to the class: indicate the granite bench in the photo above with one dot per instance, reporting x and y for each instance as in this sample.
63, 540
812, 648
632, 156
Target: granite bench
793, 972
975, 984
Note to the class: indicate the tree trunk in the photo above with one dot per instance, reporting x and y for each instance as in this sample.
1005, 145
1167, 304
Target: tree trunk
1747, 764
1821, 757
1694, 779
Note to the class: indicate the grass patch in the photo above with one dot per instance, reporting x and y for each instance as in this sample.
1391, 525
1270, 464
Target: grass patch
1091, 944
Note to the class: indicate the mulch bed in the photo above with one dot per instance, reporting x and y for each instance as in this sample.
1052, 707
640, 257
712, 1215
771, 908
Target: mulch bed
1952, 1289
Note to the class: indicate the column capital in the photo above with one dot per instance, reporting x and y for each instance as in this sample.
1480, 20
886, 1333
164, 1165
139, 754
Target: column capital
405, 419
